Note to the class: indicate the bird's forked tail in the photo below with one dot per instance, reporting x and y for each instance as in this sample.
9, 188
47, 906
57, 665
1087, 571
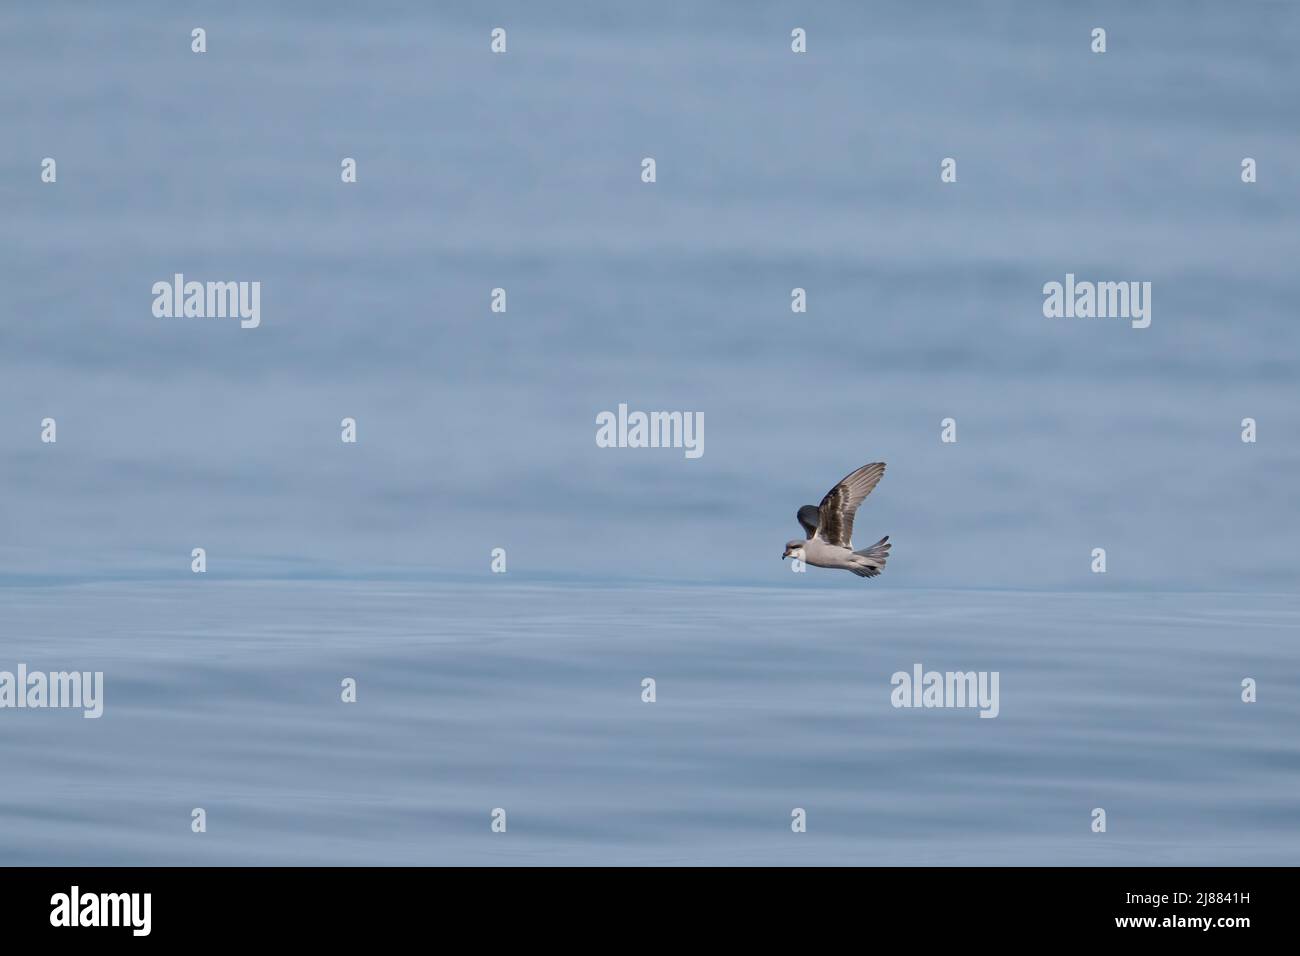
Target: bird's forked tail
874, 558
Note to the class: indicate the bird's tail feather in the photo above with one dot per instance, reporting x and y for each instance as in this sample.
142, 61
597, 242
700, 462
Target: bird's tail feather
875, 556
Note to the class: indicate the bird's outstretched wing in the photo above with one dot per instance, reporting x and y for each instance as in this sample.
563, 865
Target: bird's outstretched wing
810, 518
841, 503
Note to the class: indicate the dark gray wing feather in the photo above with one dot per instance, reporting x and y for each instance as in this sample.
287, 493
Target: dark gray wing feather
841, 504
810, 518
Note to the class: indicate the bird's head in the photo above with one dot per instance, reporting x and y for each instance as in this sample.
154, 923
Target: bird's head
793, 549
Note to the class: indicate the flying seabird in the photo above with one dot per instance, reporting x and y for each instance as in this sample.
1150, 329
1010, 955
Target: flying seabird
830, 528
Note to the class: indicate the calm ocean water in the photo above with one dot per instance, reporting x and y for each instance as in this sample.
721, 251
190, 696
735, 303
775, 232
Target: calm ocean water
476, 431
775, 171
226, 696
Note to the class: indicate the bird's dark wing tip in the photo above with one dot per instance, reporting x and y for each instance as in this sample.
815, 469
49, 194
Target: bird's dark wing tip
810, 518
